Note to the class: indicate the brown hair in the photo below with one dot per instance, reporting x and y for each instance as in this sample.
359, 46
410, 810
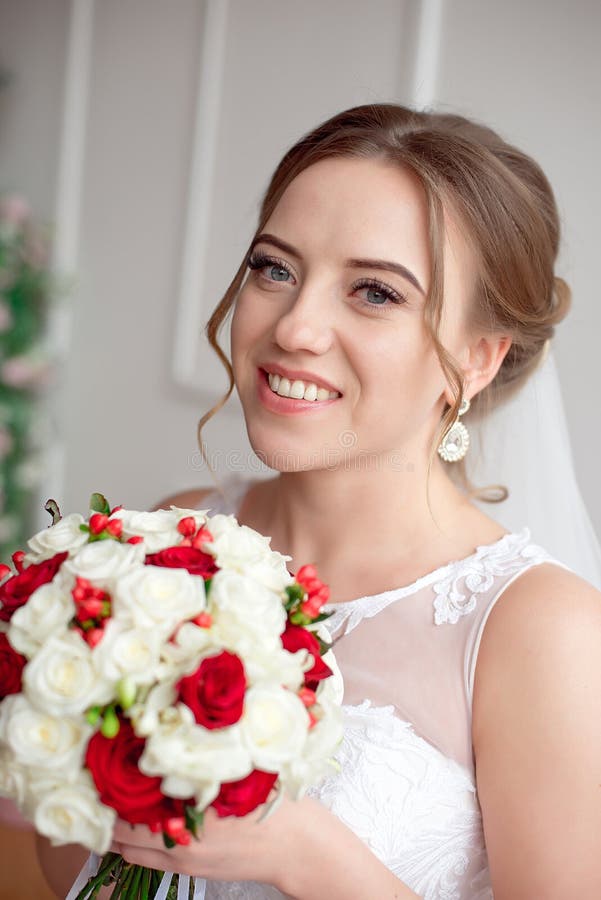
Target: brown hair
507, 208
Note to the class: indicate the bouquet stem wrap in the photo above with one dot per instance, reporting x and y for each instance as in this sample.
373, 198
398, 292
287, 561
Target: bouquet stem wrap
137, 882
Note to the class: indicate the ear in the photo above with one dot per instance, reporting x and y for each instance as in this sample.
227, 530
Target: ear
483, 360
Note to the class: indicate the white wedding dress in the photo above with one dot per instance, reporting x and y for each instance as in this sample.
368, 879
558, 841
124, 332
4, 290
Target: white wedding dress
407, 783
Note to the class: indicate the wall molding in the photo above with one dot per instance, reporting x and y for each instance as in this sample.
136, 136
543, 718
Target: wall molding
67, 226
191, 315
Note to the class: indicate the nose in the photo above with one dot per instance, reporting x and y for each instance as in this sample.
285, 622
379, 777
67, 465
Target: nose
306, 325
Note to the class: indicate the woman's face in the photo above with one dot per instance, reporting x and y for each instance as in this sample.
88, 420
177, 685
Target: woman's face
333, 302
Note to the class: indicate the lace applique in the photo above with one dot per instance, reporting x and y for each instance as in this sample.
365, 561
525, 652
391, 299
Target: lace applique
509, 554
456, 593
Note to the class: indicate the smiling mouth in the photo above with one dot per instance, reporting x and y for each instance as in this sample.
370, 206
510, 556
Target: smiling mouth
297, 389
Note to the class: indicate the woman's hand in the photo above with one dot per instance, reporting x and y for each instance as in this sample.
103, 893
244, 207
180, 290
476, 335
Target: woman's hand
247, 848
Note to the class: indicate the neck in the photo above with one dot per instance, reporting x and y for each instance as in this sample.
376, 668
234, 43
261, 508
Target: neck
344, 518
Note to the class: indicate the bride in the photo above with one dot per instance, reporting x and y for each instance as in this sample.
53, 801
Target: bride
399, 287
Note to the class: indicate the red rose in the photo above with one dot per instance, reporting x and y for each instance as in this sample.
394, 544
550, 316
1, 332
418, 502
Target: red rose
15, 592
137, 798
215, 691
238, 798
11, 668
294, 638
195, 561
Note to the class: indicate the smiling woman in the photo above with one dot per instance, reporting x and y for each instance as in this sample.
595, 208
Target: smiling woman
401, 276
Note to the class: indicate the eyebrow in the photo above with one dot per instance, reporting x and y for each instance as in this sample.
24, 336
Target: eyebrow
382, 264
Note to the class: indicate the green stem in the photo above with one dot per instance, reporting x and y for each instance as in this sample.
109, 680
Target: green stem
145, 884
109, 862
134, 883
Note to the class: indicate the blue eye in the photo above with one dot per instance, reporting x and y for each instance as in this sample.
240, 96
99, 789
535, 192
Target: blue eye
274, 269
378, 294
277, 271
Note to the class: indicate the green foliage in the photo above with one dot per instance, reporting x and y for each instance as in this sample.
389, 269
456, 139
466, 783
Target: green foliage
25, 294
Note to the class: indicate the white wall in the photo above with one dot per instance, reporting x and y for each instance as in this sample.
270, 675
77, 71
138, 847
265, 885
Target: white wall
532, 70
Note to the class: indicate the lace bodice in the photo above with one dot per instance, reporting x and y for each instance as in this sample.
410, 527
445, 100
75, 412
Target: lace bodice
408, 656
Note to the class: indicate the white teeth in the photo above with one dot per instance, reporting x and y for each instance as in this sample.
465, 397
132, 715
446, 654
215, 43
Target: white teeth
298, 389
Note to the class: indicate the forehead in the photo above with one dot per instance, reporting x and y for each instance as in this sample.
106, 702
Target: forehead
369, 202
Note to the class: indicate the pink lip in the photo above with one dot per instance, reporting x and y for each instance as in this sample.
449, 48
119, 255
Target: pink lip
299, 375
286, 405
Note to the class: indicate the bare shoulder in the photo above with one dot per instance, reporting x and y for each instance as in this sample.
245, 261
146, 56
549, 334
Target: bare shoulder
191, 499
547, 617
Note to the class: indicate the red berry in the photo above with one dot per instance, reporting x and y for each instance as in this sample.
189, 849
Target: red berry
136, 539
175, 826
5, 570
93, 636
115, 527
115, 509
305, 573
203, 620
155, 827
182, 838
79, 594
17, 558
187, 526
307, 696
98, 523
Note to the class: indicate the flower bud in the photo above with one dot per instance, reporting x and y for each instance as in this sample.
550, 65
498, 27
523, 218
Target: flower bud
94, 636
187, 526
110, 723
126, 692
98, 522
17, 558
114, 527
306, 573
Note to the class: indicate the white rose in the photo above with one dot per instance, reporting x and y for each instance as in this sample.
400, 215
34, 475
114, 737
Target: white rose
158, 528
38, 739
266, 662
193, 759
62, 680
147, 714
65, 535
184, 653
158, 597
73, 814
317, 758
104, 562
244, 550
125, 651
245, 612
275, 725
199, 515
47, 612
13, 777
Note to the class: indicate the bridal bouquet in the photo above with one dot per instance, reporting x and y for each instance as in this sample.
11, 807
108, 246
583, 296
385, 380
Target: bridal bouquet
153, 664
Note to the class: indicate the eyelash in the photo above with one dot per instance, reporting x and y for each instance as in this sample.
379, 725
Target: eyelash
260, 261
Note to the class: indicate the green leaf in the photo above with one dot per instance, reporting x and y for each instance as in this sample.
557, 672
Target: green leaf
99, 504
194, 819
51, 506
322, 616
168, 842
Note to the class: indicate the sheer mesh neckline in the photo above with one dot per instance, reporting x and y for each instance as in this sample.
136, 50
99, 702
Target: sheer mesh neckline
508, 540
235, 489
